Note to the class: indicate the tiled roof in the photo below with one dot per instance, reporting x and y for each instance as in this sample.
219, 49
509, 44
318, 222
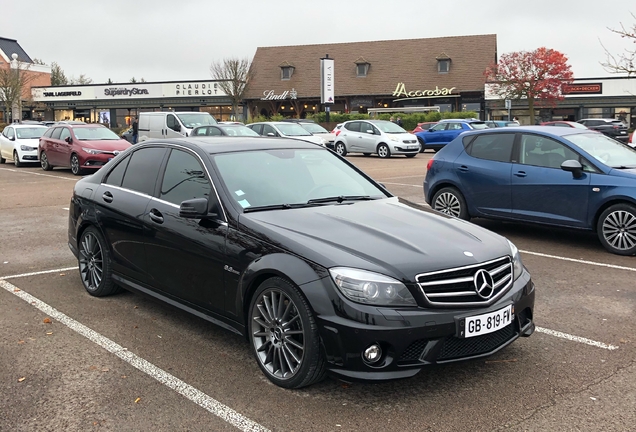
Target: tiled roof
10, 46
411, 61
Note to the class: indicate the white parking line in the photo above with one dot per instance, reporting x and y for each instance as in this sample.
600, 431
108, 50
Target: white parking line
399, 184
579, 261
40, 174
576, 338
38, 273
198, 397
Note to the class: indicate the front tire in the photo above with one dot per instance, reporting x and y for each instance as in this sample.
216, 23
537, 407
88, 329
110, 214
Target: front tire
341, 149
16, 159
284, 335
450, 201
383, 151
422, 144
95, 265
44, 162
75, 165
616, 229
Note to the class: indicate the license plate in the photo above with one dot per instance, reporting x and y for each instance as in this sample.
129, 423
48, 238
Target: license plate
623, 132
412, 147
488, 323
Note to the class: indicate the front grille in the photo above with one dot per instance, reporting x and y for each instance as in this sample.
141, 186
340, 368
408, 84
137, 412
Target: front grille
409, 141
458, 286
455, 348
413, 352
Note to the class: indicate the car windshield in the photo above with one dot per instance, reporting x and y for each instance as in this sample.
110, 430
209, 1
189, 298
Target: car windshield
314, 128
30, 133
388, 127
192, 120
576, 125
292, 129
605, 149
288, 177
94, 133
479, 125
238, 130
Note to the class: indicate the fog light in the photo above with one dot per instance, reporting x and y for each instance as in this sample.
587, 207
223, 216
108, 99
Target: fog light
373, 353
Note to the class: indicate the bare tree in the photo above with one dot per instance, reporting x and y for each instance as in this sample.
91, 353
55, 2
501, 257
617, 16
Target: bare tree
13, 81
626, 61
58, 77
82, 79
234, 76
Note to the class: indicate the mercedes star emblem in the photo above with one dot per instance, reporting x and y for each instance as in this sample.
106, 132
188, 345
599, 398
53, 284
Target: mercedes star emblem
484, 284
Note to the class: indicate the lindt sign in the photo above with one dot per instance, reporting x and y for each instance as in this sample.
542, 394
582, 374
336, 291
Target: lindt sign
271, 95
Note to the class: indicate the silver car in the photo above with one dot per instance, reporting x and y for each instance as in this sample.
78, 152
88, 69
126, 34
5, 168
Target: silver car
382, 137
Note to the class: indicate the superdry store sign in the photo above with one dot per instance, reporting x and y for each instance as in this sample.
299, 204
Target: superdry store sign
128, 91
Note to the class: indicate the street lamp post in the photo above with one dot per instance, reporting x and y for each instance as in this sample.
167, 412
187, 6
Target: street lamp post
17, 105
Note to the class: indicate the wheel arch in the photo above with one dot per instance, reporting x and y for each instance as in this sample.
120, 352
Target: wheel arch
606, 205
441, 185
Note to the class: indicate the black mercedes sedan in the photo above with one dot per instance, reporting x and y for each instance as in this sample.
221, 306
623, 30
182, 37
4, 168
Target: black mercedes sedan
290, 245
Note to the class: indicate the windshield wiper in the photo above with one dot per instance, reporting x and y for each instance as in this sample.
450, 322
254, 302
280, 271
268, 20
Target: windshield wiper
341, 198
623, 167
277, 207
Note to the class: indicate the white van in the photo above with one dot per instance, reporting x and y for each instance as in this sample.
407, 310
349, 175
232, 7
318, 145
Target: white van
171, 124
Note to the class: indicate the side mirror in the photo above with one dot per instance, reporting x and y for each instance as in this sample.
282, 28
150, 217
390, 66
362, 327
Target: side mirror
369, 131
12, 138
196, 208
431, 130
271, 134
68, 139
574, 167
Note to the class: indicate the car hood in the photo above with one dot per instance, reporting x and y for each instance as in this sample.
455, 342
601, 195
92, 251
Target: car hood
311, 138
328, 136
32, 142
402, 136
120, 144
385, 236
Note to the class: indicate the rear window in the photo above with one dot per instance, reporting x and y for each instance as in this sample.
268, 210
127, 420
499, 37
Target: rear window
479, 125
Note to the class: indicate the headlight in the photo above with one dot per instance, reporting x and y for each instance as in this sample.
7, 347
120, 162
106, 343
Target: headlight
93, 151
27, 148
517, 265
371, 288
392, 138
323, 141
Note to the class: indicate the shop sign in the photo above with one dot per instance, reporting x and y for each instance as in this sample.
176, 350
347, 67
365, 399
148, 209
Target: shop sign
327, 94
271, 95
361, 102
62, 93
590, 88
135, 91
401, 93
196, 89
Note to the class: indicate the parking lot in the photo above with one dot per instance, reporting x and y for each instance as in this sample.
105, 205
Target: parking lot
70, 361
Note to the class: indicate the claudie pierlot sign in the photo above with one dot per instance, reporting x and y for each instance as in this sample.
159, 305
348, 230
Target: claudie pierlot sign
401, 93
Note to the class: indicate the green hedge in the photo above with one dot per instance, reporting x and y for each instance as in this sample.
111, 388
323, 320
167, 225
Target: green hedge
409, 121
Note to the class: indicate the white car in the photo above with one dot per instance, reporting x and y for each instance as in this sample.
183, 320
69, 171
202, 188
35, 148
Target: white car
19, 142
317, 130
286, 130
375, 136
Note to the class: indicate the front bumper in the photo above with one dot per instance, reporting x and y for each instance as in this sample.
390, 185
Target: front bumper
413, 338
28, 155
95, 161
402, 149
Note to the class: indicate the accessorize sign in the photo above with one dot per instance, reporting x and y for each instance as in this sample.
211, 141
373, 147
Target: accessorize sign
402, 94
327, 94
128, 91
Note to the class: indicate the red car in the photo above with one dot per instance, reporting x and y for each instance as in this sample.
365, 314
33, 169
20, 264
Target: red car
421, 127
82, 147
564, 123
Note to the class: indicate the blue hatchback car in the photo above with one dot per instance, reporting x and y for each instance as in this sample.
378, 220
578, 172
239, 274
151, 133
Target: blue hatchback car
558, 176
445, 131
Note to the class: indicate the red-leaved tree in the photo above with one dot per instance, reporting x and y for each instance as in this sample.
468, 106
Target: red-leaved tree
538, 76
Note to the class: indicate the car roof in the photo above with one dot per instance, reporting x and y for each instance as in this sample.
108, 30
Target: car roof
548, 130
80, 125
28, 125
222, 144
469, 120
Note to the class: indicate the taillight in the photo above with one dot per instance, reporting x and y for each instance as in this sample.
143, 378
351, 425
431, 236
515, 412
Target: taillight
429, 164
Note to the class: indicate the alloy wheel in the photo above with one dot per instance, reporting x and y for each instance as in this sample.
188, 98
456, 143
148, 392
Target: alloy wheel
449, 204
75, 165
619, 230
278, 334
383, 151
341, 149
91, 262
44, 162
16, 159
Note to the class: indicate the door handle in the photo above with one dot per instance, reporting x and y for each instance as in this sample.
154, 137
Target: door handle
156, 216
108, 197
520, 174
463, 168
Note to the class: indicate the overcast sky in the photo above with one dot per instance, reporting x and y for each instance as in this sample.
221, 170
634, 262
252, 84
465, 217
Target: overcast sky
163, 40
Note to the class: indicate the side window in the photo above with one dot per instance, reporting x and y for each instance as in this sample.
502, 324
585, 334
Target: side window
544, 152
116, 175
5, 130
65, 134
171, 122
257, 128
142, 170
201, 131
455, 126
439, 126
267, 129
10, 133
48, 133
56, 133
366, 127
353, 126
495, 147
184, 179
214, 131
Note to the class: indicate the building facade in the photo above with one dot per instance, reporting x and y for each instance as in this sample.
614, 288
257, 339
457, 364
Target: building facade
609, 97
115, 104
446, 72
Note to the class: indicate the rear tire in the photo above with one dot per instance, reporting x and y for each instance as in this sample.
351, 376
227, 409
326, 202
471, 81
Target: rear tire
16, 159
95, 264
450, 201
44, 162
341, 149
616, 229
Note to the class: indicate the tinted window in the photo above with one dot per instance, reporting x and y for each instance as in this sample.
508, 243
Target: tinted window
48, 133
171, 121
56, 133
353, 126
496, 147
544, 152
214, 131
117, 174
184, 179
267, 129
65, 134
142, 170
257, 128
